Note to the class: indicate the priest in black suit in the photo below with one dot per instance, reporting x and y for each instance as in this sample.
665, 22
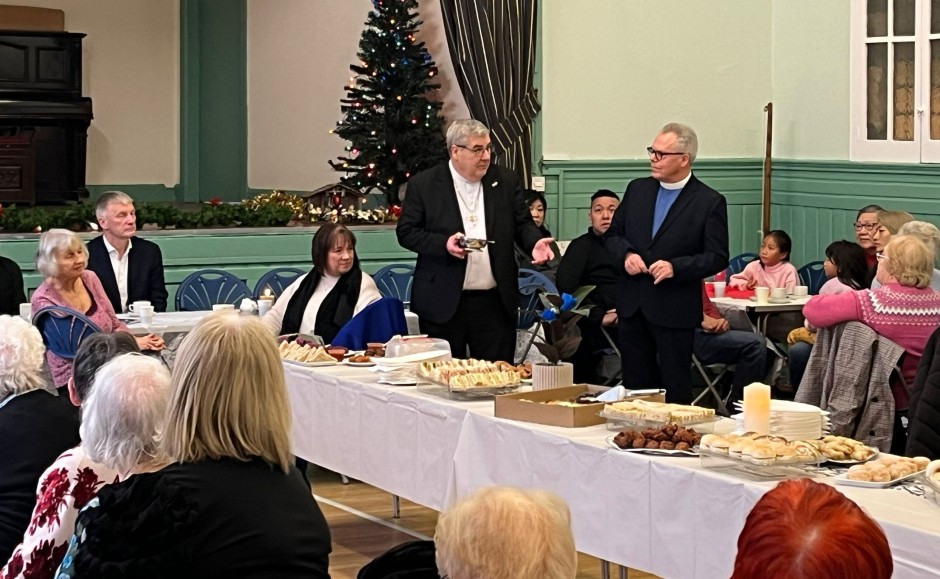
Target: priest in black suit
130, 268
468, 298
670, 232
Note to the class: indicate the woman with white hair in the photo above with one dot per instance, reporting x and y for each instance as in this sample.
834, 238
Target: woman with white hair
36, 426
232, 504
506, 533
69, 483
62, 260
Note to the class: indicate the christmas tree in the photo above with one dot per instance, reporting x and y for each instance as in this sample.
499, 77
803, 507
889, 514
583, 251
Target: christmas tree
393, 130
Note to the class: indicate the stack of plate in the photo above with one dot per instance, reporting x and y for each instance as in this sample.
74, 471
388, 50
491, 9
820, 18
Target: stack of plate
792, 420
402, 370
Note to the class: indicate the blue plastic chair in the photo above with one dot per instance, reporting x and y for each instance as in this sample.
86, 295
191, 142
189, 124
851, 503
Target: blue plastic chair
277, 280
377, 322
63, 329
394, 281
207, 287
813, 276
739, 262
527, 275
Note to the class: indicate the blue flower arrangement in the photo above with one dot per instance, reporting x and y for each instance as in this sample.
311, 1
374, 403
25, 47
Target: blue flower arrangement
559, 322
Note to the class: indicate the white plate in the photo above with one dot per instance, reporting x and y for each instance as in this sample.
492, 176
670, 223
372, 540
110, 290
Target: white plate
843, 479
311, 364
851, 462
653, 451
774, 301
413, 358
397, 382
358, 364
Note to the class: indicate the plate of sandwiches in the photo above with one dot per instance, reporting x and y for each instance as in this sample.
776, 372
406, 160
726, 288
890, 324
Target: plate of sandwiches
304, 354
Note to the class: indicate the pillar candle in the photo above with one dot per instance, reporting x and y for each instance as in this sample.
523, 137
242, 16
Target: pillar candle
757, 408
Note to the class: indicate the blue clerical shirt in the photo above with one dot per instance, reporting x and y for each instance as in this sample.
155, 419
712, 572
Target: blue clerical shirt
664, 200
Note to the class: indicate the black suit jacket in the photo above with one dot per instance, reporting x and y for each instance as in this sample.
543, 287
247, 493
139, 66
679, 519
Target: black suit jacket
693, 238
11, 287
430, 214
144, 273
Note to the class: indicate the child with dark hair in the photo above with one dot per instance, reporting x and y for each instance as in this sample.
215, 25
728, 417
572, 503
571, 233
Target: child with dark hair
773, 269
846, 267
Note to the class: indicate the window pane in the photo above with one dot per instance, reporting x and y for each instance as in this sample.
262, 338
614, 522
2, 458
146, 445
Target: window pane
877, 18
877, 92
904, 17
934, 16
935, 89
904, 91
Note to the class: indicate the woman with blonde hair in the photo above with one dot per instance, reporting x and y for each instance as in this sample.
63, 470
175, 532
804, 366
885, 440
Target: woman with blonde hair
36, 426
231, 504
889, 222
506, 533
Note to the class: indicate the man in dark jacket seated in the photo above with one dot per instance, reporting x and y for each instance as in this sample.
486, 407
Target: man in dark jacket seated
923, 438
587, 262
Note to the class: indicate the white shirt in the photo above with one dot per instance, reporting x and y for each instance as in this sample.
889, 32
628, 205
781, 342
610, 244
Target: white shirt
479, 274
368, 293
119, 265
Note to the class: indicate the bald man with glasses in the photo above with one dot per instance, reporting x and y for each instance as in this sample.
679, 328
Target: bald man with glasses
669, 233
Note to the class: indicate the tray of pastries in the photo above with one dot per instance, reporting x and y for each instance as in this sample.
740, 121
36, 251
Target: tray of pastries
760, 450
302, 353
645, 414
884, 471
471, 377
669, 440
842, 450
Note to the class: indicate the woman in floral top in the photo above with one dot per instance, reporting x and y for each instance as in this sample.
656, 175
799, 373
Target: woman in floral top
72, 480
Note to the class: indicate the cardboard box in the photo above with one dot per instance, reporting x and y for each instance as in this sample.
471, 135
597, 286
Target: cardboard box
525, 407
31, 18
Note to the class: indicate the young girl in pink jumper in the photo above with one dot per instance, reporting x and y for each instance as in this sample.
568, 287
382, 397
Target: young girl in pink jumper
773, 269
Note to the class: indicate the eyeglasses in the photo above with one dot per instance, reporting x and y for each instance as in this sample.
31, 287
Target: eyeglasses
866, 226
881, 255
658, 155
478, 151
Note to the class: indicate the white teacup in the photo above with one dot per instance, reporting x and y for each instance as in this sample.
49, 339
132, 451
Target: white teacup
217, 307
720, 288
26, 311
763, 295
779, 293
801, 291
135, 307
146, 314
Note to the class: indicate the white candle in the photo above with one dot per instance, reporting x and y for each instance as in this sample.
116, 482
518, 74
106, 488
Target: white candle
264, 304
757, 408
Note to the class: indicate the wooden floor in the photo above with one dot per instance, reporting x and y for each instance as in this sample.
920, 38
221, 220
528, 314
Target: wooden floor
360, 519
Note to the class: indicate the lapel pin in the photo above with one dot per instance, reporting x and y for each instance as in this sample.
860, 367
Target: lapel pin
495, 183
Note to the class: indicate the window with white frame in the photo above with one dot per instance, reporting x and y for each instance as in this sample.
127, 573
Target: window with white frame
895, 80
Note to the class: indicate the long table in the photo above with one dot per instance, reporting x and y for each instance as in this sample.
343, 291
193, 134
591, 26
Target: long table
668, 516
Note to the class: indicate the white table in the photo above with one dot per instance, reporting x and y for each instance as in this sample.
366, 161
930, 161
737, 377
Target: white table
667, 516
178, 322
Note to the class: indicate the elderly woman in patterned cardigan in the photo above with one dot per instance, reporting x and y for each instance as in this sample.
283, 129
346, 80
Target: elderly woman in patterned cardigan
904, 309
73, 479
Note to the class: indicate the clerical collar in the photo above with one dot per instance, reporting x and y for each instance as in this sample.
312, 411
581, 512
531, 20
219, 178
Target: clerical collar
678, 184
458, 177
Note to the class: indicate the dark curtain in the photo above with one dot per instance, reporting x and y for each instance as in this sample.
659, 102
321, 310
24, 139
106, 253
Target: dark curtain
492, 45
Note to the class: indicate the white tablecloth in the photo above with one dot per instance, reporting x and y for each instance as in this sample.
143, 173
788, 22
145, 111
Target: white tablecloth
185, 321
666, 516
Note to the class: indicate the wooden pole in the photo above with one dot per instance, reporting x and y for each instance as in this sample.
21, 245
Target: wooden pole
765, 222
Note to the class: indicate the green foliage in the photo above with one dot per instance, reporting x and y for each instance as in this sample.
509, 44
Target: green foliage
393, 129
80, 217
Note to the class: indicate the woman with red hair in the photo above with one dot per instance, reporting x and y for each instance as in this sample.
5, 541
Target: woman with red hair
807, 530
